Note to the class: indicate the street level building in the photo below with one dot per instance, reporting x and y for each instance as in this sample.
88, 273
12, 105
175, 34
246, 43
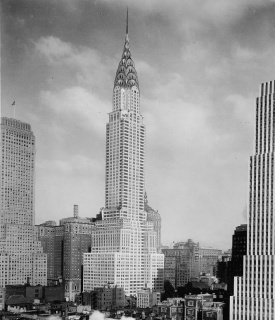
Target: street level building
124, 243
172, 308
254, 292
147, 298
202, 306
21, 255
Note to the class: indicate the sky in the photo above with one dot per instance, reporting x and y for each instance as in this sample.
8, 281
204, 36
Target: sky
199, 64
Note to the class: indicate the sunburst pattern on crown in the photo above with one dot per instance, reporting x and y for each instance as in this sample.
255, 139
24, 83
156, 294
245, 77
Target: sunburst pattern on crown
126, 75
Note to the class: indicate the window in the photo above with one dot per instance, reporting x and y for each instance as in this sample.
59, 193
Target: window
190, 303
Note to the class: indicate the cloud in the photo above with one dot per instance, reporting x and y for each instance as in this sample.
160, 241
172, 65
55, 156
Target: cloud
55, 50
79, 105
243, 108
90, 67
76, 164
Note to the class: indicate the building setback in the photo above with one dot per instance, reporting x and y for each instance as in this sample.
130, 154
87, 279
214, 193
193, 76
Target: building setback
154, 216
254, 292
124, 243
21, 255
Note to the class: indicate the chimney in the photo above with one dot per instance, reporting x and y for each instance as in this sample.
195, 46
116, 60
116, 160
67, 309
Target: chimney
75, 211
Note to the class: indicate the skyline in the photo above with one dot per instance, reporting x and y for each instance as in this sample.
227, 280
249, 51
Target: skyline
199, 74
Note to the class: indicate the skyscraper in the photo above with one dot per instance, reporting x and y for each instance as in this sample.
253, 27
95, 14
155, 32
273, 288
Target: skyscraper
254, 292
21, 254
124, 243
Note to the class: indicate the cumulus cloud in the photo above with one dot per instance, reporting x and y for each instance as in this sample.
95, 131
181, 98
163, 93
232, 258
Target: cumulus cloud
199, 72
243, 108
89, 65
79, 105
76, 164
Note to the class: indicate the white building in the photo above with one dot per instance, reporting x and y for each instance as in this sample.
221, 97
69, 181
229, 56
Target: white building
21, 254
254, 293
124, 246
146, 298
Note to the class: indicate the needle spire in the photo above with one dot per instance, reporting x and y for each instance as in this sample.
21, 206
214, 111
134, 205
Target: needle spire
127, 23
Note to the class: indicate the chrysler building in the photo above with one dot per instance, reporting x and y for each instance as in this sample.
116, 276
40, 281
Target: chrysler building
124, 242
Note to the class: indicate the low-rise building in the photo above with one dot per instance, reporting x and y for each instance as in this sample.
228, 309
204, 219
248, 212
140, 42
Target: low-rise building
172, 308
35, 293
105, 298
202, 306
147, 298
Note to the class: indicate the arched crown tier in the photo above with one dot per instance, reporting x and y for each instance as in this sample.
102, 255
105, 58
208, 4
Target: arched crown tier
126, 75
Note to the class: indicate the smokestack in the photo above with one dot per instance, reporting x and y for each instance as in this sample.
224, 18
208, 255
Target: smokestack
75, 211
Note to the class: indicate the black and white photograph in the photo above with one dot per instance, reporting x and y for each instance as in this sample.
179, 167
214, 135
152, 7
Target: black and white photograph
137, 159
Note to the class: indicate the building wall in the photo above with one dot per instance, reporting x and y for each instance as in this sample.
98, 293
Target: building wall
239, 246
107, 297
2, 298
187, 260
254, 292
66, 245
21, 254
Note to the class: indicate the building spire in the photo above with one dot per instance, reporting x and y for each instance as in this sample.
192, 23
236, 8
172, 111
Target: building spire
126, 75
127, 24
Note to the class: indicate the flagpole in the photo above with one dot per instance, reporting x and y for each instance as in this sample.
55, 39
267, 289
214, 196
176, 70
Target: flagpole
13, 104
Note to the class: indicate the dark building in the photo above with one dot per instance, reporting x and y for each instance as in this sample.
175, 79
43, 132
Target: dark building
105, 298
32, 293
239, 244
223, 269
65, 245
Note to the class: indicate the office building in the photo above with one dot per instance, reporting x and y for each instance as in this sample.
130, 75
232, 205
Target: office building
65, 245
208, 258
21, 255
107, 297
254, 292
239, 246
124, 243
187, 260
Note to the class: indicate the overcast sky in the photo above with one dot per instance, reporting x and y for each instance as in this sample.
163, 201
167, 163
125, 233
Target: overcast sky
199, 64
